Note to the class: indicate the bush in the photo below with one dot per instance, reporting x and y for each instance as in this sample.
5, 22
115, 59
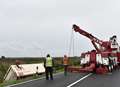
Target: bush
2, 57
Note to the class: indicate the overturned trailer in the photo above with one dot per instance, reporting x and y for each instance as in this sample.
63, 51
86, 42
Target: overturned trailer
23, 70
103, 59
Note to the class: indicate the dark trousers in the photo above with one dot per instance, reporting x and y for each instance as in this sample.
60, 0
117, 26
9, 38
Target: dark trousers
65, 69
49, 71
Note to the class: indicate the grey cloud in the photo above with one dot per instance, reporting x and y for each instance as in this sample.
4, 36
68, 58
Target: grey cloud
47, 24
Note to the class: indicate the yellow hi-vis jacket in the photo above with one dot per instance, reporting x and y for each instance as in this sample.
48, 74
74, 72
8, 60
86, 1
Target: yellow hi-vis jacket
49, 62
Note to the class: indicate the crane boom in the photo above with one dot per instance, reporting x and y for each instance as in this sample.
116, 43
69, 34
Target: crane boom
93, 39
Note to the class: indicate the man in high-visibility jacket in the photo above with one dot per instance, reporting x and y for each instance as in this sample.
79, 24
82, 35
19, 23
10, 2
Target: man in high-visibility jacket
48, 64
65, 64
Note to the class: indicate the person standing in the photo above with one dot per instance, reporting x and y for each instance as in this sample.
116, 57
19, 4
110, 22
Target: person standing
48, 64
65, 64
37, 73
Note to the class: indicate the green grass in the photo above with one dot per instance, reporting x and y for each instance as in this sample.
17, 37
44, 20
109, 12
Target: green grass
17, 81
9, 83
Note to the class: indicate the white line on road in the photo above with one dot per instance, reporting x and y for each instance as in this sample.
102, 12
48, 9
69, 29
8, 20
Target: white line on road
32, 80
79, 80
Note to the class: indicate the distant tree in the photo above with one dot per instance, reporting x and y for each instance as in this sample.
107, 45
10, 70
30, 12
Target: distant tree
2, 57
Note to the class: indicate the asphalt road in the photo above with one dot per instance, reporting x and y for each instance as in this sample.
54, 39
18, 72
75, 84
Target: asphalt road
107, 80
94, 80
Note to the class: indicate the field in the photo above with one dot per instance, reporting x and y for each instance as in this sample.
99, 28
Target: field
6, 62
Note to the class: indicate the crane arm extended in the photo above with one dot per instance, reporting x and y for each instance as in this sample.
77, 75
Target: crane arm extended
88, 35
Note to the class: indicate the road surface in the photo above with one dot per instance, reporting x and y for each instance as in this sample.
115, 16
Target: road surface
77, 80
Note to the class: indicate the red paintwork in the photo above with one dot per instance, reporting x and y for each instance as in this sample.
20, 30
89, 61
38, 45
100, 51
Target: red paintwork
80, 69
106, 51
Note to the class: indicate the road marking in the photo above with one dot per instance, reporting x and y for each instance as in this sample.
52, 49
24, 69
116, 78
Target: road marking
32, 80
79, 80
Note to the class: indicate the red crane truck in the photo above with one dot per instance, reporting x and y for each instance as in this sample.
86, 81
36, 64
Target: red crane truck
105, 57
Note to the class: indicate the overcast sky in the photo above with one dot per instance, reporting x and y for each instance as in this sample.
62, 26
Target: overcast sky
38, 27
